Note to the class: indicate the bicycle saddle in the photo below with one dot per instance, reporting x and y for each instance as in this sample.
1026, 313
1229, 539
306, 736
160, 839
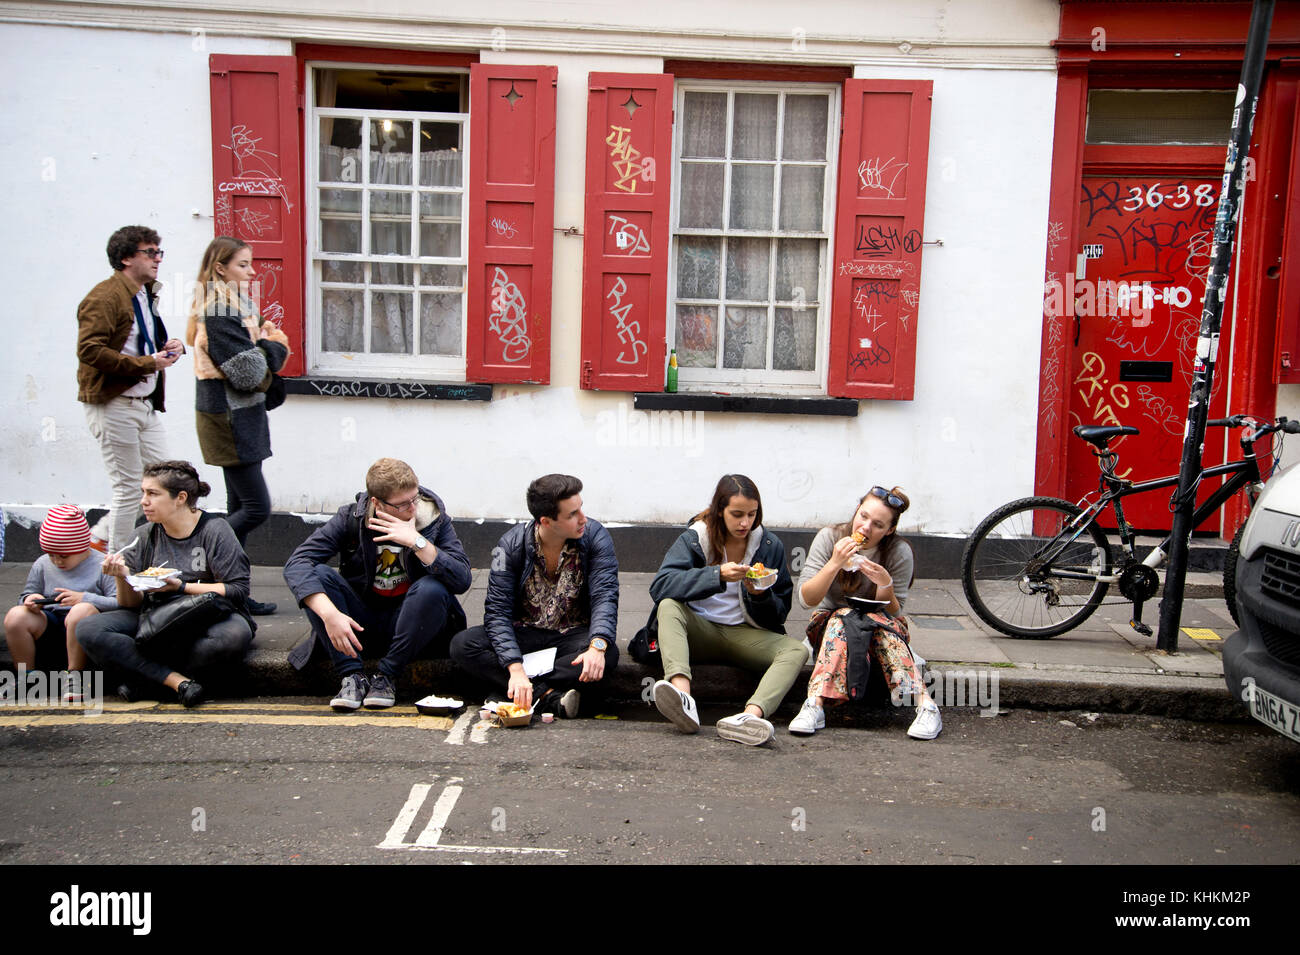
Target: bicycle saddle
1099, 434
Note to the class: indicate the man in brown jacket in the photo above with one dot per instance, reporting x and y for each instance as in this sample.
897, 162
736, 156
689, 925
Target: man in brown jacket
122, 349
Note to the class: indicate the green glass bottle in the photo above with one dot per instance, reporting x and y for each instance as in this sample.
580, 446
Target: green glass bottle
670, 384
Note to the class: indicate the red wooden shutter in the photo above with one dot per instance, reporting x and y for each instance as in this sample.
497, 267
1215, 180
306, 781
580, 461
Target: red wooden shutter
625, 256
257, 179
879, 217
511, 222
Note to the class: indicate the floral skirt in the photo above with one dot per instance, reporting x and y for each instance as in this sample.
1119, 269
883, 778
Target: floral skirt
889, 651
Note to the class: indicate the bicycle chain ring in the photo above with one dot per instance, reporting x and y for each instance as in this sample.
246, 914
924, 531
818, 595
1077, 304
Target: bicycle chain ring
1138, 582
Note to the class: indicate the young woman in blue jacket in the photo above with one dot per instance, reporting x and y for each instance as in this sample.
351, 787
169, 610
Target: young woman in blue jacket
710, 610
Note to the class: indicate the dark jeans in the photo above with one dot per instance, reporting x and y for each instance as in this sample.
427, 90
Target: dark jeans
248, 501
109, 640
400, 628
473, 653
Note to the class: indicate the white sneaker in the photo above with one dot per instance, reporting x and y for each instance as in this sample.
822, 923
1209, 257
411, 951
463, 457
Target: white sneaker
928, 724
746, 728
569, 704
809, 720
677, 707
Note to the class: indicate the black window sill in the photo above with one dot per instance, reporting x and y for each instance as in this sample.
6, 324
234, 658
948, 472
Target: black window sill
370, 388
745, 404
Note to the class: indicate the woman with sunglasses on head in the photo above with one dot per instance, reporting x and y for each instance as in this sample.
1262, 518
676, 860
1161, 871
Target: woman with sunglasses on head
710, 608
203, 549
235, 352
863, 557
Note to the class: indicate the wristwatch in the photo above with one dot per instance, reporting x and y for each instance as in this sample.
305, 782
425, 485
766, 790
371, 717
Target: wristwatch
598, 643
420, 543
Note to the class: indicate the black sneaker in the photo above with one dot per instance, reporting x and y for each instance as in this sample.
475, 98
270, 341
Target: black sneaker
381, 693
259, 609
351, 693
190, 693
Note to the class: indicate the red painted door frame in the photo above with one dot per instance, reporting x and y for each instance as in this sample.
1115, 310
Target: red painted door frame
1133, 50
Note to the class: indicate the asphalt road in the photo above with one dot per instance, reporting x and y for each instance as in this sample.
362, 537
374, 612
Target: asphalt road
286, 781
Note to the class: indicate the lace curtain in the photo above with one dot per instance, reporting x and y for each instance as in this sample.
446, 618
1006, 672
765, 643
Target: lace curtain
391, 160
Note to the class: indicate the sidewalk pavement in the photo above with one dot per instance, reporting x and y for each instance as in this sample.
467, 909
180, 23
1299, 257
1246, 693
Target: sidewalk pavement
1103, 665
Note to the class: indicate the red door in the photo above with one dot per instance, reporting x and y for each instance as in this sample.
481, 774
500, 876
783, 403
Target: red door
1137, 290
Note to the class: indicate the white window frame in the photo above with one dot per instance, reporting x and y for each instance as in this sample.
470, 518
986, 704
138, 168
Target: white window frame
437, 368
753, 380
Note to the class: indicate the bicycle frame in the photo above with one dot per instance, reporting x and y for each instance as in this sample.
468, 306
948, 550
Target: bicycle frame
1113, 489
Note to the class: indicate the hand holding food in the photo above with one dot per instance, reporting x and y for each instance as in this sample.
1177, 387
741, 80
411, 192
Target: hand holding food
731, 571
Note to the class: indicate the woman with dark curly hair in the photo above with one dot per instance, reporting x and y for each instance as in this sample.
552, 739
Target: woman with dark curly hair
207, 557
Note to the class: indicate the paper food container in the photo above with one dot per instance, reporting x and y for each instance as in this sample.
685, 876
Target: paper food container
438, 705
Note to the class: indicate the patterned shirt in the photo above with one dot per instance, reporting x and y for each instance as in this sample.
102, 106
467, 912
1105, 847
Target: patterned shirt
552, 603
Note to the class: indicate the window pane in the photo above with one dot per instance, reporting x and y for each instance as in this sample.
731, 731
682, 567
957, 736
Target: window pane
342, 320
340, 220
350, 272
1159, 117
747, 272
751, 197
697, 336
340, 149
704, 132
390, 223
390, 152
746, 342
697, 266
445, 276
798, 270
701, 204
440, 323
794, 345
392, 273
440, 224
753, 134
440, 154
803, 134
390, 322
801, 198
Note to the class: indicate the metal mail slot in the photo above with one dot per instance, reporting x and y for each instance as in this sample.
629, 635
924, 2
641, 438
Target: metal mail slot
1146, 371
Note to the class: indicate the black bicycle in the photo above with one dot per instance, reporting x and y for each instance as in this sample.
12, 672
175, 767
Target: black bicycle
1040, 566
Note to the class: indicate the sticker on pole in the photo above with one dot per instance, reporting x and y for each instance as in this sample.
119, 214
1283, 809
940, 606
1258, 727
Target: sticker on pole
1207, 348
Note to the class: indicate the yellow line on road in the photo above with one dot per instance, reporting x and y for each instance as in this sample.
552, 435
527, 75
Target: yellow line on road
130, 713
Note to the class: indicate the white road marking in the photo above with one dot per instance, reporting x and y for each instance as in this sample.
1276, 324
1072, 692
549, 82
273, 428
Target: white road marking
405, 816
429, 840
478, 734
467, 722
456, 735
441, 810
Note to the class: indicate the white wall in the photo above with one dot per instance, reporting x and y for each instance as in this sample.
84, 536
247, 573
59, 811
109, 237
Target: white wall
124, 117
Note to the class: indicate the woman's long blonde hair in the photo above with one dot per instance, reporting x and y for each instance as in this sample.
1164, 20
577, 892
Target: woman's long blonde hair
210, 287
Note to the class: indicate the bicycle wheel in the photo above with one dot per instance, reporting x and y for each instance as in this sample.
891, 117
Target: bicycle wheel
1230, 573
1009, 569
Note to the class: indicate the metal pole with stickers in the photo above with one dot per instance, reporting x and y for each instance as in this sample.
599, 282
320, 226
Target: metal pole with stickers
1207, 342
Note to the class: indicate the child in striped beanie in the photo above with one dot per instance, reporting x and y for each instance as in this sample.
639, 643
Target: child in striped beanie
63, 587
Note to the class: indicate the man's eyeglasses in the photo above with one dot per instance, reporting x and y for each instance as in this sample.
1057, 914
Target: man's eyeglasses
890, 498
155, 254
400, 505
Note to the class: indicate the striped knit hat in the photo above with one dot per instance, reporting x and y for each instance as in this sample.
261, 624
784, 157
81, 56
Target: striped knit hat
65, 530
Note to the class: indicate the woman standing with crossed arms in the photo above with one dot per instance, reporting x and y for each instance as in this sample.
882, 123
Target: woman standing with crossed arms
235, 353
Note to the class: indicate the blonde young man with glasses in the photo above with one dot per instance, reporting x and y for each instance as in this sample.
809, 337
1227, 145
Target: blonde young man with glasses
401, 567
122, 349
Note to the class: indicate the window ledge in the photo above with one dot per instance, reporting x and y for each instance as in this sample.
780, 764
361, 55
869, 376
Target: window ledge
745, 404
375, 388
